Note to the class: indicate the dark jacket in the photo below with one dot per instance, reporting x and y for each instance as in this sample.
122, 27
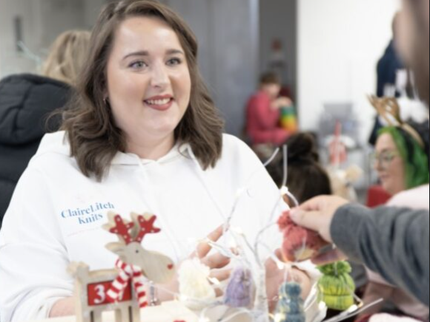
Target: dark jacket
391, 241
387, 69
25, 103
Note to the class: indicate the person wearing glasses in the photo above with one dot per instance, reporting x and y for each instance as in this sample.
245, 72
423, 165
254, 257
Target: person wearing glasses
401, 161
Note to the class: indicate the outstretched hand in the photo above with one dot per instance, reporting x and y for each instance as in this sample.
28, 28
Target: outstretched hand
317, 215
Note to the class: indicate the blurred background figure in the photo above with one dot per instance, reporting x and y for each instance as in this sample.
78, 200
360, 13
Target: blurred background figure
394, 80
388, 67
26, 101
401, 162
263, 113
303, 167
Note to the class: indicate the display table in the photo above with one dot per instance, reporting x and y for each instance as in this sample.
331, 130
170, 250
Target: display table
168, 312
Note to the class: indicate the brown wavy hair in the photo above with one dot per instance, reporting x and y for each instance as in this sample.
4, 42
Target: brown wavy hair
94, 138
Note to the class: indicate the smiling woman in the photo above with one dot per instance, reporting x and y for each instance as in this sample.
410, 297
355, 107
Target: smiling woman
143, 135
149, 85
142, 53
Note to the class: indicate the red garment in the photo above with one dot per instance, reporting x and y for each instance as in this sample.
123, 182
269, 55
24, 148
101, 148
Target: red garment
262, 122
377, 196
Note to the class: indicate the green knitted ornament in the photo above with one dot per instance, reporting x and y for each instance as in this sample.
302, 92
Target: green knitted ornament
336, 287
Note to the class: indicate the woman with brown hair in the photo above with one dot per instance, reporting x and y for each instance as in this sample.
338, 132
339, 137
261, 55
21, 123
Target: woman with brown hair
26, 102
142, 134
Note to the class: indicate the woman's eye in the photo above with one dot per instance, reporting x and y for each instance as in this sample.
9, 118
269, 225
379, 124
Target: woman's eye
174, 61
138, 65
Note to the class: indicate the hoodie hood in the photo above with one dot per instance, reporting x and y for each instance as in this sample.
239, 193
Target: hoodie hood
26, 101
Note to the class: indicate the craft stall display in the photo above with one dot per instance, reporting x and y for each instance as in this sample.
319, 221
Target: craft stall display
124, 289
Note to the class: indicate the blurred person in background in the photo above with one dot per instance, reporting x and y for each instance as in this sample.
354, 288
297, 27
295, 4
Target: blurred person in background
401, 161
303, 167
391, 241
386, 70
263, 112
26, 101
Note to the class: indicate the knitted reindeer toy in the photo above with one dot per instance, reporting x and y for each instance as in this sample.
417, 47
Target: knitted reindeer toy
299, 244
336, 288
290, 305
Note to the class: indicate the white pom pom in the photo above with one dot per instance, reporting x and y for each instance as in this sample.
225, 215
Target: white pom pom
194, 284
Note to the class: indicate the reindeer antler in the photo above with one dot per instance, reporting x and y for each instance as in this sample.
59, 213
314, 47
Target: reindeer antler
120, 227
144, 225
386, 107
389, 106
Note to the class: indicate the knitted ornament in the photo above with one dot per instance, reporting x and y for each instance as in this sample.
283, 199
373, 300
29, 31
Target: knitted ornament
240, 289
288, 119
194, 285
336, 287
290, 306
299, 244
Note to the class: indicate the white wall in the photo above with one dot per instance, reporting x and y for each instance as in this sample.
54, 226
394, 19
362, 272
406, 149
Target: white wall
42, 22
10, 60
278, 20
340, 42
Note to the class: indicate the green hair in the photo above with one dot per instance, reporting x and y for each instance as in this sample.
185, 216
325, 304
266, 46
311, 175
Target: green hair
413, 155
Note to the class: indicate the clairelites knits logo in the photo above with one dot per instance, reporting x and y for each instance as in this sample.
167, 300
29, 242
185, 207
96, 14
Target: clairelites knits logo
93, 213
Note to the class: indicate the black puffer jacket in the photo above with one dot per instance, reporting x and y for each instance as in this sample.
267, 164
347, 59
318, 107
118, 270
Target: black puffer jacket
25, 103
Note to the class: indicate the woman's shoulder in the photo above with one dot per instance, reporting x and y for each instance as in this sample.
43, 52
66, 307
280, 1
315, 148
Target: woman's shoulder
235, 148
417, 198
53, 150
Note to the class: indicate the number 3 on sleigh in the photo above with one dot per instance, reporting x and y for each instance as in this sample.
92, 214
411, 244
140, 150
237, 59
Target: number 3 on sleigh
121, 289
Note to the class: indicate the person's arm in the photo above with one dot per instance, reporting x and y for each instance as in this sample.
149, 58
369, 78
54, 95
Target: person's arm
391, 241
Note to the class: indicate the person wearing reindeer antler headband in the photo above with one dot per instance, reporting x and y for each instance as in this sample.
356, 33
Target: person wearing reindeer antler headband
142, 134
392, 241
401, 161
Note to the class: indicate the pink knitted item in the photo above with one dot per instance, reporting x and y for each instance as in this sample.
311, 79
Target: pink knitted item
299, 244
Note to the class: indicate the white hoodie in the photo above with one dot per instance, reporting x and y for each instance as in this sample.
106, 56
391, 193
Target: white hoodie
56, 214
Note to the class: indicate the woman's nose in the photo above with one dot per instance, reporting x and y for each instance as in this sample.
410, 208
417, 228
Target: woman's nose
159, 77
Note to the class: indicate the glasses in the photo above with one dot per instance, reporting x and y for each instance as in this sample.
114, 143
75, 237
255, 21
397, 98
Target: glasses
384, 159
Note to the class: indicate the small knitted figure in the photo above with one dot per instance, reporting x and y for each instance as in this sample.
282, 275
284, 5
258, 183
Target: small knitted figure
336, 288
299, 243
240, 289
290, 305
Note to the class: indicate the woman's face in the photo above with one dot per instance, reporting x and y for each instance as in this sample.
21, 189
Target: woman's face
390, 165
149, 82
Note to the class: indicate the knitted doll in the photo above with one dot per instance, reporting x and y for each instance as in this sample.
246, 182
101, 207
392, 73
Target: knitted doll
336, 287
240, 289
299, 243
290, 305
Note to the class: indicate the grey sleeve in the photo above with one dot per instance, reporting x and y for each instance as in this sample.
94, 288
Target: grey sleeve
391, 241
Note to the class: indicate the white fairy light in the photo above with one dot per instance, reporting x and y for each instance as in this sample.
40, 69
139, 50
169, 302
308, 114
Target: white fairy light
214, 281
